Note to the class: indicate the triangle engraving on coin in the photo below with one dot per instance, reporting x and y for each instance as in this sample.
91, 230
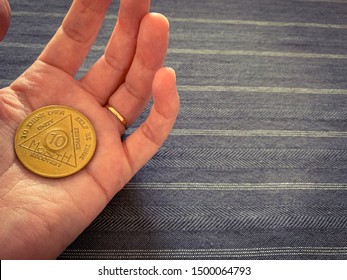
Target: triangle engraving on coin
54, 143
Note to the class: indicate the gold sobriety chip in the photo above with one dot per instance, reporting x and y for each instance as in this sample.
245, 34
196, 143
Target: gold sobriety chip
55, 141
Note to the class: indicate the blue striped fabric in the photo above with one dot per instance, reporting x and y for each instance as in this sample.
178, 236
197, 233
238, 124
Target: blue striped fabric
256, 165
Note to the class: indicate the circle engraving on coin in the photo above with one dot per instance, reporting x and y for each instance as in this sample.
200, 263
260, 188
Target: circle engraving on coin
55, 141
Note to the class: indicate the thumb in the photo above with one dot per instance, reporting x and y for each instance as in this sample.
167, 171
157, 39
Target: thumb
5, 17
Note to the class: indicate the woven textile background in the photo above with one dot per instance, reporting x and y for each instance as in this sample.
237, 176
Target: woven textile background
256, 166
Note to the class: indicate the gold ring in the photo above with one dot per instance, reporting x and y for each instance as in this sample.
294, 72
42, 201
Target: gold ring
118, 115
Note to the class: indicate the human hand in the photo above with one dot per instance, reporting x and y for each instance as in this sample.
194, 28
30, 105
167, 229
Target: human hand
40, 217
5, 17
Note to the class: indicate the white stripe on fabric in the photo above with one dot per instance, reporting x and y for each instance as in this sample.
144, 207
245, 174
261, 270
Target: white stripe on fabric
259, 133
285, 90
235, 186
257, 53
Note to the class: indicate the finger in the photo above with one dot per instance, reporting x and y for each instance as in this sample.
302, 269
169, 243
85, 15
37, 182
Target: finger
73, 40
133, 95
147, 139
5, 17
109, 71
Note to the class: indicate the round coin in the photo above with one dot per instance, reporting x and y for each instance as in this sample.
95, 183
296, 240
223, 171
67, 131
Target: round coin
55, 141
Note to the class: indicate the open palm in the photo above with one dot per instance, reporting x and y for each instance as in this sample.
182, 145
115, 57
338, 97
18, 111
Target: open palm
40, 217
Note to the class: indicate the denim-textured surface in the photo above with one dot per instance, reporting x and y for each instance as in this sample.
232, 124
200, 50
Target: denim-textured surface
256, 166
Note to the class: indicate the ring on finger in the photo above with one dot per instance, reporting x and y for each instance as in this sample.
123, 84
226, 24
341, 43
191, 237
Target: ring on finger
118, 115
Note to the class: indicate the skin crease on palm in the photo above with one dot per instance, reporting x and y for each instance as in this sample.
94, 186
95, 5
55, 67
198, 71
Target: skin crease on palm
40, 217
